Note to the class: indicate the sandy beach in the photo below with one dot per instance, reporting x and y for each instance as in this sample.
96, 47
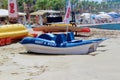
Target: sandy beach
103, 64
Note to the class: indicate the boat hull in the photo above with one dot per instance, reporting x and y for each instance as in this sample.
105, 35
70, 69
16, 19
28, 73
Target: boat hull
82, 49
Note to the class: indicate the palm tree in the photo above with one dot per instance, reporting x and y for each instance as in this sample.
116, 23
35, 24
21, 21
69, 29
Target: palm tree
3, 4
42, 4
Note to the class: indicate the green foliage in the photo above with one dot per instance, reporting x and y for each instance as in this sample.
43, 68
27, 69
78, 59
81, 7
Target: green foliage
50, 4
87, 6
83, 6
42, 4
4, 4
58, 4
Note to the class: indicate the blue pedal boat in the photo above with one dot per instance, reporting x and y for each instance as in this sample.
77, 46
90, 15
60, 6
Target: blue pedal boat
49, 43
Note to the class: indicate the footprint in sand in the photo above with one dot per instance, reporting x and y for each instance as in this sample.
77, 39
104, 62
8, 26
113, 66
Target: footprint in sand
1, 63
0, 72
41, 69
15, 73
29, 79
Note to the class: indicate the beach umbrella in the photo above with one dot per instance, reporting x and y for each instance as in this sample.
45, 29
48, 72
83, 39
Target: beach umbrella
3, 12
114, 14
85, 15
101, 12
41, 12
37, 13
51, 11
104, 16
21, 13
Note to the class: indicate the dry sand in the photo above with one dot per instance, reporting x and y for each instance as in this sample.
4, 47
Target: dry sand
102, 64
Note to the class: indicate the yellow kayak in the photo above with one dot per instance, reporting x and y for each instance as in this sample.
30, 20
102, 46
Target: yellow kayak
58, 27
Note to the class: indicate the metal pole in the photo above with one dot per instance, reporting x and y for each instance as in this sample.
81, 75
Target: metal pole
73, 13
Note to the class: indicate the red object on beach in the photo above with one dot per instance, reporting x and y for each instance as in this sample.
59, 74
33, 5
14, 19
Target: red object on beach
5, 41
34, 35
2, 42
8, 41
85, 29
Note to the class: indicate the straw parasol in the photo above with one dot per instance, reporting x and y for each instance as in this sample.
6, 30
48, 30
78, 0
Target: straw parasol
41, 12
